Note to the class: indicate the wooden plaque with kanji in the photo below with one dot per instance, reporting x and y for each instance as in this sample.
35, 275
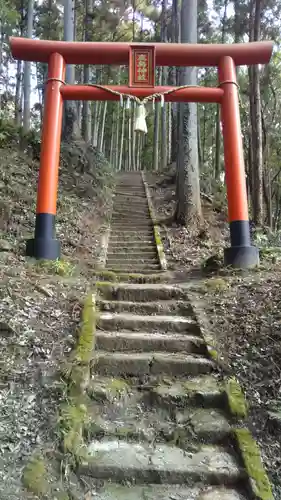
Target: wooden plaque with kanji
142, 66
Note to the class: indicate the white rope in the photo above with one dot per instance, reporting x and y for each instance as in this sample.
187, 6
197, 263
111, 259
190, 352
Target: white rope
140, 121
145, 100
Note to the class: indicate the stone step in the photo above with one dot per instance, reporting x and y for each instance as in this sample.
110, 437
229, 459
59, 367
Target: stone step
145, 270
132, 262
131, 254
133, 322
203, 391
120, 412
157, 363
130, 193
142, 221
113, 491
149, 342
125, 195
167, 307
141, 246
148, 292
127, 238
132, 233
121, 461
126, 202
123, 226
129, 218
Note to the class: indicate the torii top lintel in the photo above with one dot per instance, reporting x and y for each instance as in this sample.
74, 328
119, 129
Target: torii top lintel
167, 54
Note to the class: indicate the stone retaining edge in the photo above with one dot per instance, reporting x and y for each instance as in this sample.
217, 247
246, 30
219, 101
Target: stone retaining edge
73, 412
156, 230
101, 260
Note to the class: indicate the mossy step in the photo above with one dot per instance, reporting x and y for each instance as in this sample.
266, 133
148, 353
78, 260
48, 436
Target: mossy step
132, 259
148, 292
145, 270
131, 262
205, 391
156, 363
147, 323
132, 418
149, 342
167, 307
113, 491
131, 254
140, 463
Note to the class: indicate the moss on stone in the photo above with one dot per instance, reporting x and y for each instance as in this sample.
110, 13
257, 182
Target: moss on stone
79, 378
60, 267
62, 495
251, 456
213, 354
34, 477
217, 285
74, 418
118, 387
86, 337
236, 399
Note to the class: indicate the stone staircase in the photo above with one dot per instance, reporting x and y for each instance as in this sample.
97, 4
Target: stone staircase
161, 428
132, 246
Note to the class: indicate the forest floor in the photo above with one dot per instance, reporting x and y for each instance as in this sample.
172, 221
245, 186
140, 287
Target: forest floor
40, 312
243, 311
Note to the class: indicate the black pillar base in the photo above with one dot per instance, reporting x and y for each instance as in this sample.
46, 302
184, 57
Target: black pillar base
241, 257
41, 248
44, 245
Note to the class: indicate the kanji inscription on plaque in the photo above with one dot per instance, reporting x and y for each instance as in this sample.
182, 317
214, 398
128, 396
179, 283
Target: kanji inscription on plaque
142, 66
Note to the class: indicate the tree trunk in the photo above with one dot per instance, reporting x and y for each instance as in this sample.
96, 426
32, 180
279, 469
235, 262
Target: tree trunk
218, 131
189, 204
164, 78
101, 131
70, 118
18, 101
122, 139
27, 71
86, 111
256, 121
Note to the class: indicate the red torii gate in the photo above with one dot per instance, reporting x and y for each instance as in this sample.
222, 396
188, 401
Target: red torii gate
225, 57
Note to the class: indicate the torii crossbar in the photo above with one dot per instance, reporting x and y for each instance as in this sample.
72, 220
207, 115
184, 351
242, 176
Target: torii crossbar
142, 59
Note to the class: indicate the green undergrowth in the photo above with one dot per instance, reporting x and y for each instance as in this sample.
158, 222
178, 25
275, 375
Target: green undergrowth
60, 267
236, 400
34, 477
251, 457
73, 421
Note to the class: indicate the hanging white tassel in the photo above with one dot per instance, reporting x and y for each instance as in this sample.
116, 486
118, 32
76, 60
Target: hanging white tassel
140, 121
128, 103
121, 101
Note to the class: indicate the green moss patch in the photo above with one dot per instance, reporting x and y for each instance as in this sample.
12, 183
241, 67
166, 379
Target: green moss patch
73, 420
59, 267
86, 338
236, 399
34, 477
73, 415
251, 457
